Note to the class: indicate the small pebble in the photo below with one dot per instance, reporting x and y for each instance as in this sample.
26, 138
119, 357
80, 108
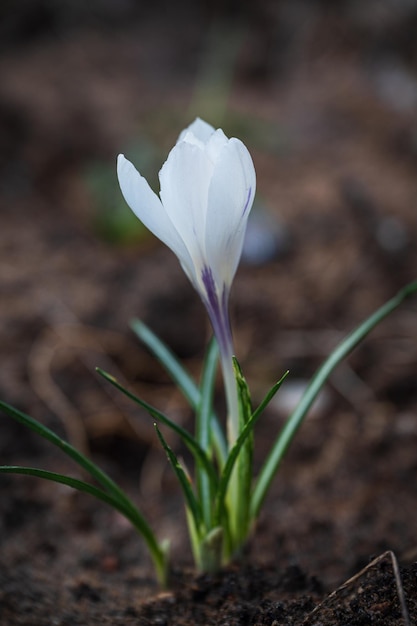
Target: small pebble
291, 392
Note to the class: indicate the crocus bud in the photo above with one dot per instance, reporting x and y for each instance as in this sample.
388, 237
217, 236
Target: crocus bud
207, 189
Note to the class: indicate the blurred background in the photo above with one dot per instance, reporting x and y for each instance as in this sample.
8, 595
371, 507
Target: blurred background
323, 94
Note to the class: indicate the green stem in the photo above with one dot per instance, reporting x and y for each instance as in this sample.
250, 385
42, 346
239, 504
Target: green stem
232, 402
294, 422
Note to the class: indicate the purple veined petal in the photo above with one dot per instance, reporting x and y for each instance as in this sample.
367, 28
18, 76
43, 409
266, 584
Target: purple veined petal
148, 208
217, 303
230, 199
207, 189
200, 129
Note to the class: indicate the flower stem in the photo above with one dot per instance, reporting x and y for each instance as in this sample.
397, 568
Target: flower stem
216, 301
226, 361
219, 317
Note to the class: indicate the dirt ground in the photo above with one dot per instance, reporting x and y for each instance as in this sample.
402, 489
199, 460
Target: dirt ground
325, 99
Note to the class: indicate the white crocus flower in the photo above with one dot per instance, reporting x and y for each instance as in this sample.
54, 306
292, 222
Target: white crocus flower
207, 189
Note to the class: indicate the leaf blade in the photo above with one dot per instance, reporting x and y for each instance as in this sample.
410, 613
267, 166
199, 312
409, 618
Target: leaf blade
181, 378
67, 448
204, 414
185, 435
131, 513
234, 452
342, 350
192, 502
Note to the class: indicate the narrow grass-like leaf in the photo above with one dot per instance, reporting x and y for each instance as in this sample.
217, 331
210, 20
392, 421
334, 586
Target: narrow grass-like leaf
243, 476
182, 379
268, 397
195, 538
203, 424
204, 409
198, 453
130, 512
190, 499
74, 483
294, 422
212, 549
170, 363
234, 452
69, 450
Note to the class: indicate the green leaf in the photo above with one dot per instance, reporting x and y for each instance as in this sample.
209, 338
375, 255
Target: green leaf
243, 394
211, 550
294, 422
234, 452
191, 501
204, 408
68, 449
268, 397
158, 553
74, 483
182, 379
198, 453
203, 429
164, 355
244, 470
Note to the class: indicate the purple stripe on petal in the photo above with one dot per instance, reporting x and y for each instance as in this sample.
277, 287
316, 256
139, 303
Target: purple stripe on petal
245, 208
218, 311
208, 281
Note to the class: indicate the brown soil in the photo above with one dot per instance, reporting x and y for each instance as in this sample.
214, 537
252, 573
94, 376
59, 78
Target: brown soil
324, 100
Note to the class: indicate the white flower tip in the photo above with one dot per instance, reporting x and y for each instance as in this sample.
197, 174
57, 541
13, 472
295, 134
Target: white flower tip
121, 160
200, 129
125, 169
129, 179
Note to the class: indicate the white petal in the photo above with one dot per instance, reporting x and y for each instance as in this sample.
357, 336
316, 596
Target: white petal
200, 129
148, 208
185, 179
215, 144
189, 137
231, 195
